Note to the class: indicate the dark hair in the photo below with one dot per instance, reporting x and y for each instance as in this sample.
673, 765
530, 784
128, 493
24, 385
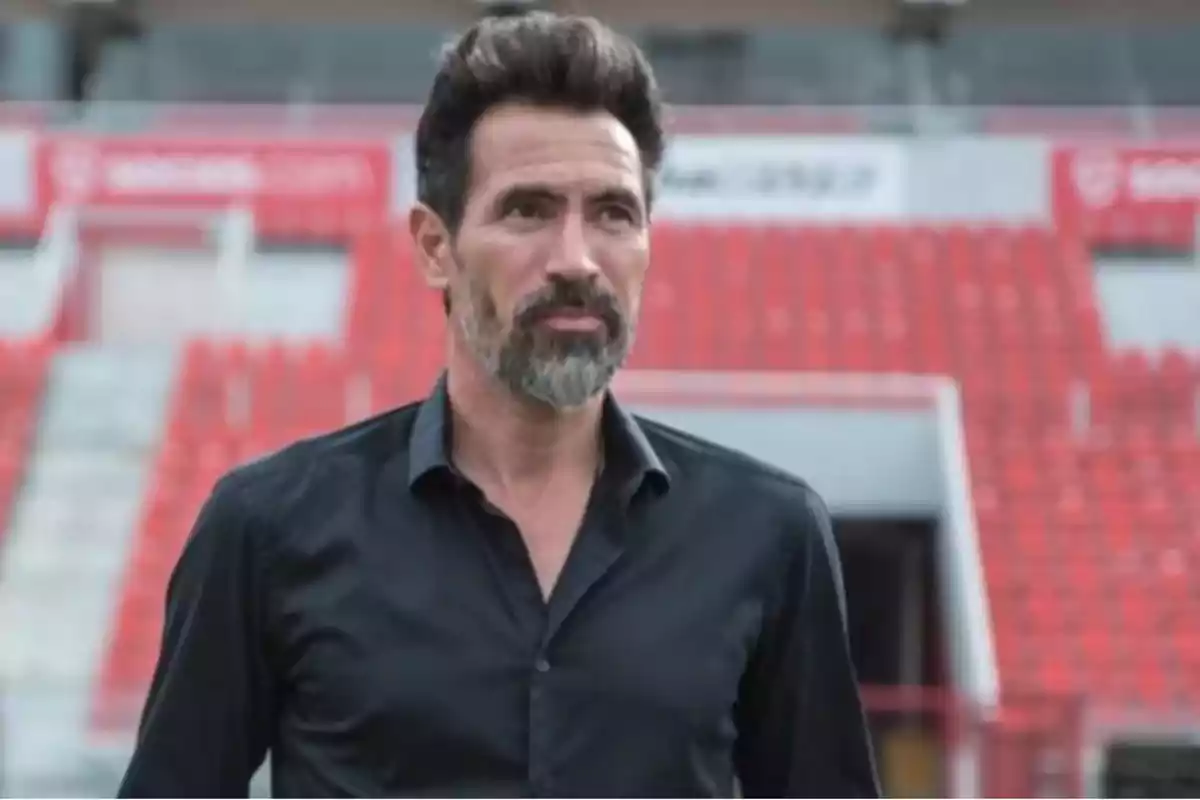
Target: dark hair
541, 58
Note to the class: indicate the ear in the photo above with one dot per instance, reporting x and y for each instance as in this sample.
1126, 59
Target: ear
431, 243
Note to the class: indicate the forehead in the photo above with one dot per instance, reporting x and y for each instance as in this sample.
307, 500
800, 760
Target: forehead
520, 144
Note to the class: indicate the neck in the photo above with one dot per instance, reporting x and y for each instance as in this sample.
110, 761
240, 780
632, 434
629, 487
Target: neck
509, 440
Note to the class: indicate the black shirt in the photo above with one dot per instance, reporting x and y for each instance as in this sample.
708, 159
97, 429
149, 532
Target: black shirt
354, 606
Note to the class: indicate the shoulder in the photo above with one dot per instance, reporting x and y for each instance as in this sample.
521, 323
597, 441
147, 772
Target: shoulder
307, 479
750, 486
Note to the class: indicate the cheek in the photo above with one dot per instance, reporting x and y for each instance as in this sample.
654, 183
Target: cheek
470, 293
496, 284
513, 274
628, 274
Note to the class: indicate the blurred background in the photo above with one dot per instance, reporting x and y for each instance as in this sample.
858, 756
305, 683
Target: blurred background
938, 257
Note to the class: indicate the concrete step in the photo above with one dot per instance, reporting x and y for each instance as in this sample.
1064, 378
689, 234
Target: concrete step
68, 547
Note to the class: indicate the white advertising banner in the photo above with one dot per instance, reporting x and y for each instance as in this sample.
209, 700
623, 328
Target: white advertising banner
18, 181
783, 178
404, 178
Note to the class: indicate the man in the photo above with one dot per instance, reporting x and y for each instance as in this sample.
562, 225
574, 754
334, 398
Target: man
514, 587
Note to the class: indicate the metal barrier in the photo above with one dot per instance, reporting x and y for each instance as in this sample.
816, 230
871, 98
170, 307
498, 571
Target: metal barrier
930, 743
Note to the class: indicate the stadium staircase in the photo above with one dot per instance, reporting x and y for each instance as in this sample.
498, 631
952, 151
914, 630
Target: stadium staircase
276, 394
68, 542
1085, 462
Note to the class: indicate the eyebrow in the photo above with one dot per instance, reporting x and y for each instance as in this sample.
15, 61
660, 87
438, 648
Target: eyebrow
620, 196
543, 192
528, 192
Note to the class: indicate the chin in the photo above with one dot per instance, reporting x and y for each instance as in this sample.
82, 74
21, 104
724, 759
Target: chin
568, 383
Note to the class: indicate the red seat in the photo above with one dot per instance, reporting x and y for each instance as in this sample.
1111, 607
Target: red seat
23, 368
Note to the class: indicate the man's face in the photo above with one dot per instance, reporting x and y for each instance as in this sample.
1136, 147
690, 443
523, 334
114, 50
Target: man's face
550, 257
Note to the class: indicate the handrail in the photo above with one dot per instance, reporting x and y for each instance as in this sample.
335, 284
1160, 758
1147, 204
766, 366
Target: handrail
55, 260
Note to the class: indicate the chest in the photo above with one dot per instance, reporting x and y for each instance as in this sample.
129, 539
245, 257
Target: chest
548, 527
438, 633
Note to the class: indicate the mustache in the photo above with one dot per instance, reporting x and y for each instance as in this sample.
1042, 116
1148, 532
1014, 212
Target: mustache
564, 295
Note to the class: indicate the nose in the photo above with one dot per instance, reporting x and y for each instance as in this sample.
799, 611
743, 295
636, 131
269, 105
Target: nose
572, 255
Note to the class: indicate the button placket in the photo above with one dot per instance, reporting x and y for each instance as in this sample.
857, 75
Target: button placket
539, 727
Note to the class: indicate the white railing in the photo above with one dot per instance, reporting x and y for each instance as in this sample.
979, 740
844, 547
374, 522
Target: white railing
236, 242
54, 261
804, 388
973, 653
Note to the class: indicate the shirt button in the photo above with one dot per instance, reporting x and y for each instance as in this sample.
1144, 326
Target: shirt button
542, 665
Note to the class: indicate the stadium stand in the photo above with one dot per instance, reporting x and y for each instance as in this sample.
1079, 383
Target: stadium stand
1083, 450
23, 367
1010, 311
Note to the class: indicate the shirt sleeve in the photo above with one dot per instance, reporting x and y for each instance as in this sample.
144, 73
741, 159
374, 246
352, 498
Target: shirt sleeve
802, 730
209, 715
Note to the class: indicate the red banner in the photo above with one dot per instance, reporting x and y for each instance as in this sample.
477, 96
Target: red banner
1100, 180
268, 176
1132, 194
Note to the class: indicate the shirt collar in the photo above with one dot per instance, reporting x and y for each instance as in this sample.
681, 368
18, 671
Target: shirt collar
627, 450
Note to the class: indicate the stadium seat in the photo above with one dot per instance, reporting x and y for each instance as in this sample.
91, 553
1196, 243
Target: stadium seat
23, 366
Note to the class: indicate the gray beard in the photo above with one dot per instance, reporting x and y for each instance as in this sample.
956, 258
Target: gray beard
561, 381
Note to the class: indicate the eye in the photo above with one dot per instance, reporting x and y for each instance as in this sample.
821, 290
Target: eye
527, 208
615, 213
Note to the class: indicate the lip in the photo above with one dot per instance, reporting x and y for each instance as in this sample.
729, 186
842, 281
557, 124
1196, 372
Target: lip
572, 321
